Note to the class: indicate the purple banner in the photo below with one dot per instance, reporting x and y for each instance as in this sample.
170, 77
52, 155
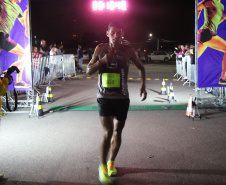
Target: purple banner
211, 43
15, 41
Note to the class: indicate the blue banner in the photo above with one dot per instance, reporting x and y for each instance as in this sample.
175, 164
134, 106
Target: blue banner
15, 42
211, 43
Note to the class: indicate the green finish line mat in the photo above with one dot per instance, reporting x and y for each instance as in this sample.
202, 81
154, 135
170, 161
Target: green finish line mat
132, 108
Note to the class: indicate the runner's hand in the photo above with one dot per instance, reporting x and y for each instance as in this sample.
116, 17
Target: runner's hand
143, 91
108, 57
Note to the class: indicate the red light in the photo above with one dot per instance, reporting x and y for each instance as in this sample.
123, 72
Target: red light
109, 5
74, 35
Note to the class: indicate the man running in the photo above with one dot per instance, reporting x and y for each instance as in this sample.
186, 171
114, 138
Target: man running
112, 60
10, 11
207, 35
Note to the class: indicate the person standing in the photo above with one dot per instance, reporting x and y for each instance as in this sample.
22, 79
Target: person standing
43, 48
112, 60
36, 67
80, 57
90, 52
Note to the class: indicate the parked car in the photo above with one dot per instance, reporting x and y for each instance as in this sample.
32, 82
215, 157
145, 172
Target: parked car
159, 55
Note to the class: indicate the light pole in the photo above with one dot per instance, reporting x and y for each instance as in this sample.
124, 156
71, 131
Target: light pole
151, 35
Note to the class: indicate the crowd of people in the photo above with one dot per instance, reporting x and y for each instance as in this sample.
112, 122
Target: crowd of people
185, 50
188, 49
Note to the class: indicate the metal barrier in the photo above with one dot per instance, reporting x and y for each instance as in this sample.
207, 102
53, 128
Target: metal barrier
185, 69
53, 67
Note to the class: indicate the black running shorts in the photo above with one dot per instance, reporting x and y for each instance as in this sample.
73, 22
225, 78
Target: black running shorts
113, 107
6, 43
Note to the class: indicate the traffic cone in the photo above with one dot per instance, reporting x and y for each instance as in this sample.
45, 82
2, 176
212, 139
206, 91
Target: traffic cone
39, 106
171, 93
189, 111
163, 89
50, 95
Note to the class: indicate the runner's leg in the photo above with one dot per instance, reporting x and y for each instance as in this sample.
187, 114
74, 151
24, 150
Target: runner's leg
116, 139
107, 124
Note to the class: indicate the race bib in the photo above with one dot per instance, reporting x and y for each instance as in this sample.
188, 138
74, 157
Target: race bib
111, 80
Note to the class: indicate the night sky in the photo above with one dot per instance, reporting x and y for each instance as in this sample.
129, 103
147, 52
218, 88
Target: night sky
59, 20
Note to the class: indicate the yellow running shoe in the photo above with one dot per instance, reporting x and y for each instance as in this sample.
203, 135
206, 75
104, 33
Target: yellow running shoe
111, 168
2, 113
1, 176
103, 175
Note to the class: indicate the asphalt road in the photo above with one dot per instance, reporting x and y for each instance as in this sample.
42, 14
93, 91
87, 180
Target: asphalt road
160, 147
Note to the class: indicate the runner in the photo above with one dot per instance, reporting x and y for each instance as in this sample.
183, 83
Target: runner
112, 60
9, 11
207, 35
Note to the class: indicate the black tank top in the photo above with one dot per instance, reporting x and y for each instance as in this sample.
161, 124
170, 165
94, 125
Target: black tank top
112, 78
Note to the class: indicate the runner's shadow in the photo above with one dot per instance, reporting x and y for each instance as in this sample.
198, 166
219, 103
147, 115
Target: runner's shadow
67, 107
158, 101
154, 91
124, 171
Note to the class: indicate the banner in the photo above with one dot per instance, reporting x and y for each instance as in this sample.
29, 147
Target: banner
15, 42
211, 43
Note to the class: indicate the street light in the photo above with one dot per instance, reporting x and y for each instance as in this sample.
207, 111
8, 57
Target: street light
151, 35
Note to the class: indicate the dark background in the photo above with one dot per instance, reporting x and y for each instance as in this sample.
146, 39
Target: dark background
59, 20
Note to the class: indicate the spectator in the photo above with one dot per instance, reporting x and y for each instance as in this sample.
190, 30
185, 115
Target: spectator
188, 50
61, 47
43, 48
80, 56
77, 66
177, 49
58, 51
187, 53
183, 50
52, 60
36, 69
192, 51
53, 50
90, 52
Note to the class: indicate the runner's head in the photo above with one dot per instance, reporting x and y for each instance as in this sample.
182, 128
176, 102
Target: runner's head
115, 33
35, 49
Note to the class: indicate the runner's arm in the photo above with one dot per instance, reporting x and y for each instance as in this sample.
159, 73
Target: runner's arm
139, 65
95, 63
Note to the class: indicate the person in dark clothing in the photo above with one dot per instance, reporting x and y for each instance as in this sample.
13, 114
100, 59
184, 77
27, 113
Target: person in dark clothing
80, 56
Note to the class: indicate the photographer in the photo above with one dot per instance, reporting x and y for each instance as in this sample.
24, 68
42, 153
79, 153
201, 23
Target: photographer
5, 81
